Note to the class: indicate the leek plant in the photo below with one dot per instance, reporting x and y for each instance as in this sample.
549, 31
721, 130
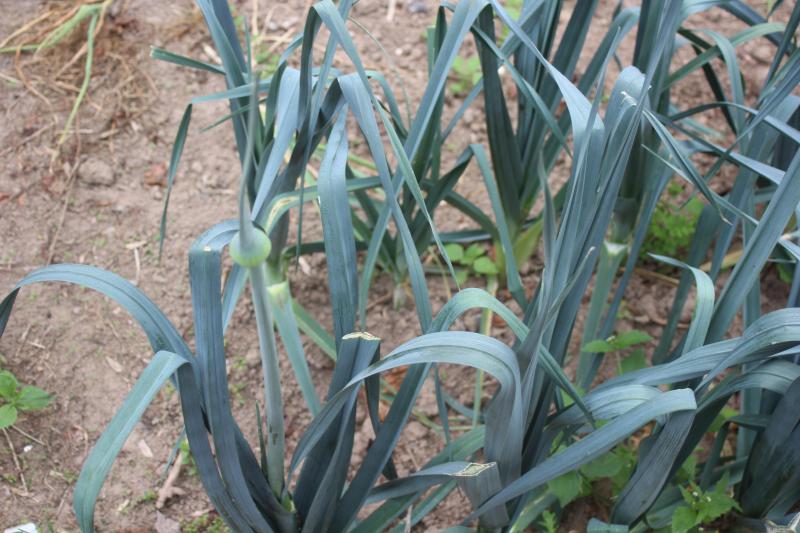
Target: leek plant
538, 425
648, 175
595, 212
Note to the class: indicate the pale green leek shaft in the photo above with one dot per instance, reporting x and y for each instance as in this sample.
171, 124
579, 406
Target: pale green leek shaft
253, 247
276, 440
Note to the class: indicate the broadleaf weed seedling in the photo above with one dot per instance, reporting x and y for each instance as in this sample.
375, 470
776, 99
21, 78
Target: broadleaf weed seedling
16, 398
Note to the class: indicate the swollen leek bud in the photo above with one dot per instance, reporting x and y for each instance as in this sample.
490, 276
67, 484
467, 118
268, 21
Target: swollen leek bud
251, 251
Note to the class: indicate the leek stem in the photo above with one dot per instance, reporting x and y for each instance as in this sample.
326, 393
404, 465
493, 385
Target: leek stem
276, 436
252, 252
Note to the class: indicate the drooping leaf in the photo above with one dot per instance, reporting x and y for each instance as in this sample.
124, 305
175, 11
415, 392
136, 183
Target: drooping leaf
8, 415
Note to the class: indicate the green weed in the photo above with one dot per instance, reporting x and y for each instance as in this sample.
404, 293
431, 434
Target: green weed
16, 398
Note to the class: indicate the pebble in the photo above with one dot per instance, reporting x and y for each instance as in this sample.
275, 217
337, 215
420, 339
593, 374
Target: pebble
417, 7
145, 449
288, 23
97, 172
213, 181
253, 357
166, 525
762, 52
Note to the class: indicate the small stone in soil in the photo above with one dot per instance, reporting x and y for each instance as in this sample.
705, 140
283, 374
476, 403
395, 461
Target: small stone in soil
97, 172
166, 525
417, 7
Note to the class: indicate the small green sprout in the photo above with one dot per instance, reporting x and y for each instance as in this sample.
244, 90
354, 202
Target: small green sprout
702, 507
472, 260
205, 524
187, 459
15, 397
673, 224
635, 360
146, 497
549, 523
467, 73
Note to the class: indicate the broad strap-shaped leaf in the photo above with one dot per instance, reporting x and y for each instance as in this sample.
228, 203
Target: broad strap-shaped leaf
747, 269
704, 303
171, 57
772, 473
769, 335
774, 375
776, 334
513, 280
321, 479
606, 403
479, 482
159, 330
418, 481
462, 348
337, 227
223, 31
460, 449
174, 161
472, 298
162, 336
593, 445
284, 316
655, 467
358, 100
98, 464
205, 274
